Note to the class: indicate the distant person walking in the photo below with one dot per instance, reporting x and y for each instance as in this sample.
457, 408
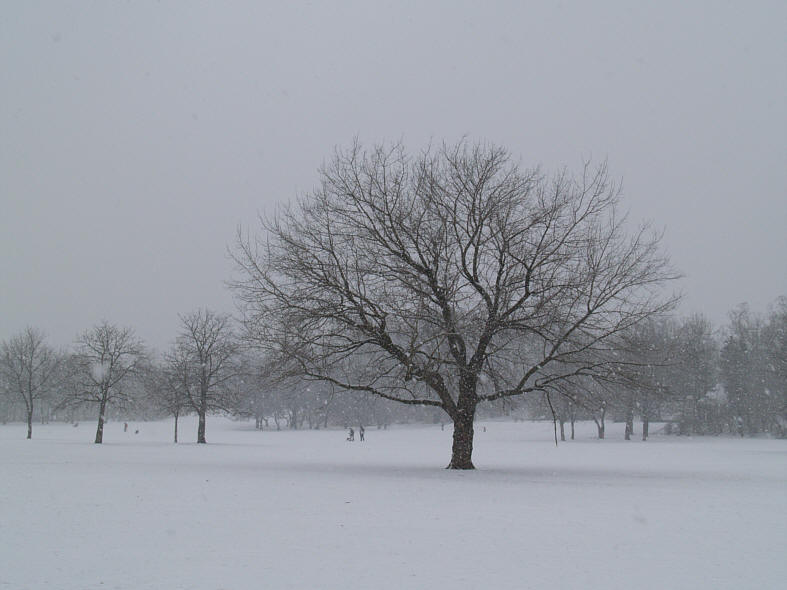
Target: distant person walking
351, 435
361, 432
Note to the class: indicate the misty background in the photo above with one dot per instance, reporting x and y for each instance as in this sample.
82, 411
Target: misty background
136, 137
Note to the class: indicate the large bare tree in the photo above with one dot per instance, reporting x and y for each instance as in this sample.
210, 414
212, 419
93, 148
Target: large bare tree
203, 363
29, 367
451, 278
106, 359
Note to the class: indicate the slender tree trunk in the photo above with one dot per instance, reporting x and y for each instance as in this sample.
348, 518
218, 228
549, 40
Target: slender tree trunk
645, 417
176, 427
462, 450
30, 424
629, 423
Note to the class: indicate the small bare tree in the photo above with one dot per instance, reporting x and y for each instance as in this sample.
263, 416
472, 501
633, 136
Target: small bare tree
167, 390
453, 278
106, 360
29, 368
203, 362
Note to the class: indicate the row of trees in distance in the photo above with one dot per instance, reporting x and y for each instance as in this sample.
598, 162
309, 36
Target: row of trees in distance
697, 378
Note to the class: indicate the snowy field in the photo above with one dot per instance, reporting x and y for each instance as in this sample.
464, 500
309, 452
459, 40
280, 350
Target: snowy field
310, 510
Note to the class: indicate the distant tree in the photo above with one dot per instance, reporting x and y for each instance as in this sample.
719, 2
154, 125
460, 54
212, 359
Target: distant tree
167, 390
106, 360
253, 390
203, 360
743, 372
29, 369
563, 409
654, 348
695, 369
753, 369
775, 333
596, 397
433, 271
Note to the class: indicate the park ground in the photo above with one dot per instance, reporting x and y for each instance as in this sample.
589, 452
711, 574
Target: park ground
308, 509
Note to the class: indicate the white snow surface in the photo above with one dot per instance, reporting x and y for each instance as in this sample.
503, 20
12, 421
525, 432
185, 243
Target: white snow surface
308, 509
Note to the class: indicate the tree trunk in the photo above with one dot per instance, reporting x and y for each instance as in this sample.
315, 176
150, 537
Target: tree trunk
629, 422
600, 424
462, 450
100, 428
176, 427
562, 430
30, 423
645, 416
201, 428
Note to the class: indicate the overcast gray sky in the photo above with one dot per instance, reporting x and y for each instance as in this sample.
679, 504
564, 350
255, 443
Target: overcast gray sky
136, 136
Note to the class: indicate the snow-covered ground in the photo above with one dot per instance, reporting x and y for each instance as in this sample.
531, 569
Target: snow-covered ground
310, 510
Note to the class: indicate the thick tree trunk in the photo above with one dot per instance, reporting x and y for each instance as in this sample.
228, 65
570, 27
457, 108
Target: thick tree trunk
645, 426
100, 427
201, 428
563, 430
30, 423
462, 450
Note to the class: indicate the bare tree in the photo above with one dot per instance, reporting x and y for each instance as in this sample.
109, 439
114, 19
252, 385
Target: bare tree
106, 360
453, 277
167, 390
203, 361
29, 368
649, 354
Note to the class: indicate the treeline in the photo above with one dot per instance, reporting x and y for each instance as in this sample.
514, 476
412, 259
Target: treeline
695, 377
109, 374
